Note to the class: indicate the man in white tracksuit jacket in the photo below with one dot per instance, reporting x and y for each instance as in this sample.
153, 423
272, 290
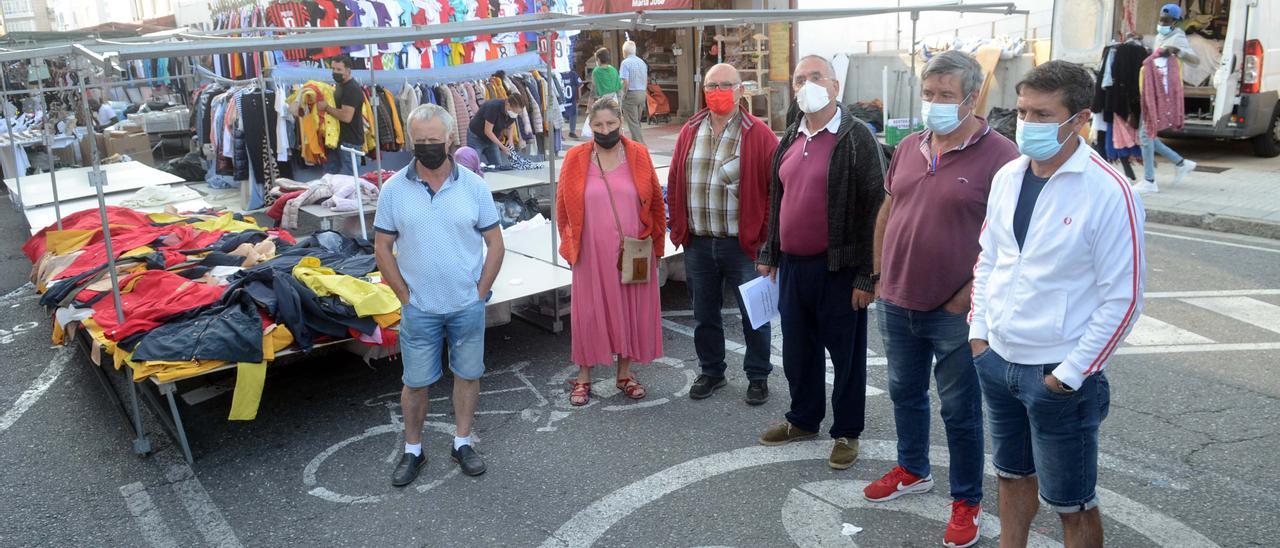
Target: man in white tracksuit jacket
1057, 287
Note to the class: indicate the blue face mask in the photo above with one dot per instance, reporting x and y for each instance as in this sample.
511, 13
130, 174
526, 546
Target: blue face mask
1039, 140
1164, 30
942, 118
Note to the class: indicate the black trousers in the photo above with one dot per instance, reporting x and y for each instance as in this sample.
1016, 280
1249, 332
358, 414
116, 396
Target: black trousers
818, 317
259, 133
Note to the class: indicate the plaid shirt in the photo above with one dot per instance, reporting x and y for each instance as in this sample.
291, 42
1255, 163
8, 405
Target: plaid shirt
713, 181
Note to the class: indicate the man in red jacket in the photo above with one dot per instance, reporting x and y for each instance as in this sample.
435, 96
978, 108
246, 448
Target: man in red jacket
718, 196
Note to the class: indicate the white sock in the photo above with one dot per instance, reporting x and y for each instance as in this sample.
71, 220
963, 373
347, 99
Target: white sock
459, 442
415, 448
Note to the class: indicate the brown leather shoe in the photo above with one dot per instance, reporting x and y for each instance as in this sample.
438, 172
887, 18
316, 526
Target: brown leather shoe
844, 453
784, 433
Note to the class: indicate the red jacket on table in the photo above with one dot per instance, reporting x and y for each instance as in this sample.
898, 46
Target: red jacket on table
755, 156
570, 197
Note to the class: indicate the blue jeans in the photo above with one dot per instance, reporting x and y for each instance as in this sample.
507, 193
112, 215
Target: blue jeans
817, 314
422, 338
489, 152
338, 161
912, 341
710, 264
1150, 146
1037, 431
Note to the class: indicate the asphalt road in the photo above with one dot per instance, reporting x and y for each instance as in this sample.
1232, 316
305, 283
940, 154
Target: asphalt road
1189, 450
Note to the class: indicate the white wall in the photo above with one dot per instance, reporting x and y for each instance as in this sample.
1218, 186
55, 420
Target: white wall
881, 32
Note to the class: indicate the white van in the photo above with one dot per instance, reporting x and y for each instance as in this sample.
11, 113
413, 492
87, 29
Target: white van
1236, 100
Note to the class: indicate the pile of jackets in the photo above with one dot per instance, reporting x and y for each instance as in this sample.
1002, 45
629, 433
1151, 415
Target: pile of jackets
200, 291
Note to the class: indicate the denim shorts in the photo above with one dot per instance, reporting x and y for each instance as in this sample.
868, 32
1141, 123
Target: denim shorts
1035, 431
422, 338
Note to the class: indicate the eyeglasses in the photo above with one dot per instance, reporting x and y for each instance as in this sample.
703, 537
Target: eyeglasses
814, 77
722, 86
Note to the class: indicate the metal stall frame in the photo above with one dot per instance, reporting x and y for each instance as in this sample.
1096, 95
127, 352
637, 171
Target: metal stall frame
108, 55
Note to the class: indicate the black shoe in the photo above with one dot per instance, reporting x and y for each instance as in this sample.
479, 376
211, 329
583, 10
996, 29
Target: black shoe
758, 392
705, 385
408, 469
469, 460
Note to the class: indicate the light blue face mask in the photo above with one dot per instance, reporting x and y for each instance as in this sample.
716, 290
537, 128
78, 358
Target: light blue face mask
942, 118
1163, 30
1039, 140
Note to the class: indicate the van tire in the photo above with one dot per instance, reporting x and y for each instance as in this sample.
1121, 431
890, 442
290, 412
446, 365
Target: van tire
1267, 145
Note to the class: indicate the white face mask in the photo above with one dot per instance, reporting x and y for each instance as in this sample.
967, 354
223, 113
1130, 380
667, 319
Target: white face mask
513, 114
811, 98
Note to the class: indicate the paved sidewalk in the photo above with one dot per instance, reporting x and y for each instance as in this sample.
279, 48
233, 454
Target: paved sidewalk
1243, 197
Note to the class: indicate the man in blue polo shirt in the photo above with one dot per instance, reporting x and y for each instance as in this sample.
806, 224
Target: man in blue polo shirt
440, 218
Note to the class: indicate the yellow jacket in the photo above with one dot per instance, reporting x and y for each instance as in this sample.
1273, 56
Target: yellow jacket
368, 298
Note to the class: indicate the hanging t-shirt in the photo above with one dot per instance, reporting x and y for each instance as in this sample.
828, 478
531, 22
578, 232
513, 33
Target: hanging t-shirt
324, 13
481, 51
290, 15
431, 9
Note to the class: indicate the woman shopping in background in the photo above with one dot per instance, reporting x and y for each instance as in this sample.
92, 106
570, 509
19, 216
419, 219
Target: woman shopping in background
609, 197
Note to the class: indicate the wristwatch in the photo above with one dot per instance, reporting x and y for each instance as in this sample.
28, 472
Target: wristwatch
1065, 389
875, 278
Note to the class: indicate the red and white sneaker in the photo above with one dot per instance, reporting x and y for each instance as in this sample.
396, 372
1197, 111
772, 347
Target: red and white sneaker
896, 483
965, 526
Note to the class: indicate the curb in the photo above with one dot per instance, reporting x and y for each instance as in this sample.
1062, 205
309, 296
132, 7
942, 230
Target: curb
1217, 223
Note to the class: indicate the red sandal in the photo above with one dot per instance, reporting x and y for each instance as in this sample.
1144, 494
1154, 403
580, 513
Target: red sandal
580, 395
631, 387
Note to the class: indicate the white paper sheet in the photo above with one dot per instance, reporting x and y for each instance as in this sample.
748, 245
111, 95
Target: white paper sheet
761, 298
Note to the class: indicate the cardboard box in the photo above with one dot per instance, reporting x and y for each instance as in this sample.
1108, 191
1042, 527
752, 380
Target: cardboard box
86, 149
134, 145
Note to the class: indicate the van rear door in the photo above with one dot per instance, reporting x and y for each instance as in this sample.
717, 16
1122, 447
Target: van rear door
1227, 78
1081, 29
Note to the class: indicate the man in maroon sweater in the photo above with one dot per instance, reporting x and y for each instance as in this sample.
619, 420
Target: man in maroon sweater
718, 196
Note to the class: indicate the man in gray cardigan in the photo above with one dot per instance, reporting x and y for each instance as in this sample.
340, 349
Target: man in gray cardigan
828, 184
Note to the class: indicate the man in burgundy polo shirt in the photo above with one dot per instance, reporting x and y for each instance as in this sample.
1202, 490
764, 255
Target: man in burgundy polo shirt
828, 183
927, 238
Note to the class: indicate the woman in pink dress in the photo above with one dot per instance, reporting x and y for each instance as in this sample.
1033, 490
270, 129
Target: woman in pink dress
610, 320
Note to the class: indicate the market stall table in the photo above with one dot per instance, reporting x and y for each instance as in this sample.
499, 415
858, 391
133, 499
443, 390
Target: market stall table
74, 183
40, 217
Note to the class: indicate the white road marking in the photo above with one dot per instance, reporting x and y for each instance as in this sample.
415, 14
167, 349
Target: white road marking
587, 526
206, 515
1151, 332
22, 293
1218, 293
1215, 242
46, 379
1245, 309
1186, 348
812, 511
144, 512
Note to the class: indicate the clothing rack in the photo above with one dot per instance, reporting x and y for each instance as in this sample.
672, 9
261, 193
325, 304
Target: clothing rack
438, 75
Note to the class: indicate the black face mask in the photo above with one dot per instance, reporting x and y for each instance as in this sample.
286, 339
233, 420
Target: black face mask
430, 155
608, 140
337, 77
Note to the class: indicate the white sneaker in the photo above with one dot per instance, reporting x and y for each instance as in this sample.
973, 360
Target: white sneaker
1180, 172
1145, 187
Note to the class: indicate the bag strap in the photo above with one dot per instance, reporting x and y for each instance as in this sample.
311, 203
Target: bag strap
613, 206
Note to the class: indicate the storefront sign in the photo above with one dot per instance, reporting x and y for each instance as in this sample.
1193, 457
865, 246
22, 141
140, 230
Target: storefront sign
623, 6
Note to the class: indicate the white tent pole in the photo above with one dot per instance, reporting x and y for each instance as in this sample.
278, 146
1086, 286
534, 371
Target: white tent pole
551, 169
8, 122
355, 173
911, 81
48, 149
98, 178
